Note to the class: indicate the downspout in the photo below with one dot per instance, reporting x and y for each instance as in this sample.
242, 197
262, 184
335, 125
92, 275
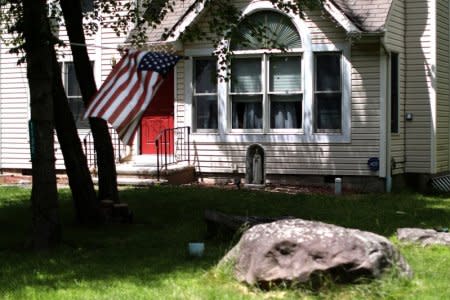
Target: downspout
385, 120
388, 124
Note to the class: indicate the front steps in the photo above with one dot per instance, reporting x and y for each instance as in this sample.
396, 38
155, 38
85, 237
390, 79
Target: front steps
145, 174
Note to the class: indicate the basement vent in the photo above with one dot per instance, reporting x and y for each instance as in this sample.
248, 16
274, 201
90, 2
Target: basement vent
441, 183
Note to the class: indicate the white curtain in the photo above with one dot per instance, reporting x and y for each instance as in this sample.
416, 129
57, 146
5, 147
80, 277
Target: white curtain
284, 115
247, 115
252, 115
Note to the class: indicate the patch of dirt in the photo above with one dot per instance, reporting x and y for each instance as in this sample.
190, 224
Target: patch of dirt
25, 180
281, 188
294, 189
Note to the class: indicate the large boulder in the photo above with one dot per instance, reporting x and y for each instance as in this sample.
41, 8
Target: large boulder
424, 237
298, 251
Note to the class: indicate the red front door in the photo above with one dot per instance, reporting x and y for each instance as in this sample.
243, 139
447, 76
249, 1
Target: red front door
158, 116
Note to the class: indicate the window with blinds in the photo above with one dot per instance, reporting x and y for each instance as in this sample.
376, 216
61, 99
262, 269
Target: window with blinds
246, 93
285, 92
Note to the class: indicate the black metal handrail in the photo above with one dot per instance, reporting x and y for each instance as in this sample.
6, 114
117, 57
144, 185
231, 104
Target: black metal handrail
172, 146
89, 149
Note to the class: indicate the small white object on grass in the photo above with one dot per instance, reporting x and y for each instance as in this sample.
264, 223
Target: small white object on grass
196, 249
338, 186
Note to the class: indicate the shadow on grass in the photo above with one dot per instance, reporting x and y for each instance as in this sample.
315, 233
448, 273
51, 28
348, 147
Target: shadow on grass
167, 218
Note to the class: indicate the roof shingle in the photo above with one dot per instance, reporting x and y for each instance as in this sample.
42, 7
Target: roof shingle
368, 15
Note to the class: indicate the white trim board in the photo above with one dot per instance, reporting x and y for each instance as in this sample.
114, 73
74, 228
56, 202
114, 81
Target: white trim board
432, 89
198, 7
341, 18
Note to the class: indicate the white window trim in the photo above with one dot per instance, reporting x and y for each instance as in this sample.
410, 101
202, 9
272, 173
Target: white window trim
265, 93
189, 88
64, 61
224, 132
193, 114
316, 92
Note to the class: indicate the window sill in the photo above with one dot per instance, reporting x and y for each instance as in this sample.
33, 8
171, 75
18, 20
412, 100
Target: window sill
270, 137
205, 131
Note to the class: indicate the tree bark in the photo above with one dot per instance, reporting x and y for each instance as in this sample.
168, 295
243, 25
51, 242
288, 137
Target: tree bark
80, 181
44, 195
107, 175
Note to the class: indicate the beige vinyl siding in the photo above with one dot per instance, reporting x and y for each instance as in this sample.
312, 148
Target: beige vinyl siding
395, 41
309, 158
419, 85
442, 107
170, 19
323, 28
109, 41
296, 159
14, 98
365, 96
14, 112
65, 54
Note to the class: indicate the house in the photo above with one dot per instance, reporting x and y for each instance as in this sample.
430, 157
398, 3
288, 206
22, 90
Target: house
361, 93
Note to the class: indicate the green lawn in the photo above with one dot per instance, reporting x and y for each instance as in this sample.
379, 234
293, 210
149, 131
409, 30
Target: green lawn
148, 259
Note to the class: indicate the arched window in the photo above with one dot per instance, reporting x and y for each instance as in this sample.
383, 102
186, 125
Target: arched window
266, 30
266, 89
280, 84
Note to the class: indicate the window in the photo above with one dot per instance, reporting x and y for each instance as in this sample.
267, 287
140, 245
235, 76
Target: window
300, 93
74, 94
394, 93
266, 30
205, 93
246, 93
276, 89
327, 92
285, 92
266, 89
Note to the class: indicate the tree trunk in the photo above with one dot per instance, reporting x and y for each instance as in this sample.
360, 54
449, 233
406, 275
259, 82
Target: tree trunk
44, 194
107, 175
80, 181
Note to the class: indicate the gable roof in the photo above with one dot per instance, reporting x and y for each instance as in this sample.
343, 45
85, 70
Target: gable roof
368, 15
171, 20
352, 15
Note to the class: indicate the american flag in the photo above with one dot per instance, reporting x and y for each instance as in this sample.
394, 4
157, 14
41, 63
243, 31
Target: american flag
129, 89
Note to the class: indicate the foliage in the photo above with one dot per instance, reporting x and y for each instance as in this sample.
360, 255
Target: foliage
148, 260
224, 22
119, 15
134, 18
